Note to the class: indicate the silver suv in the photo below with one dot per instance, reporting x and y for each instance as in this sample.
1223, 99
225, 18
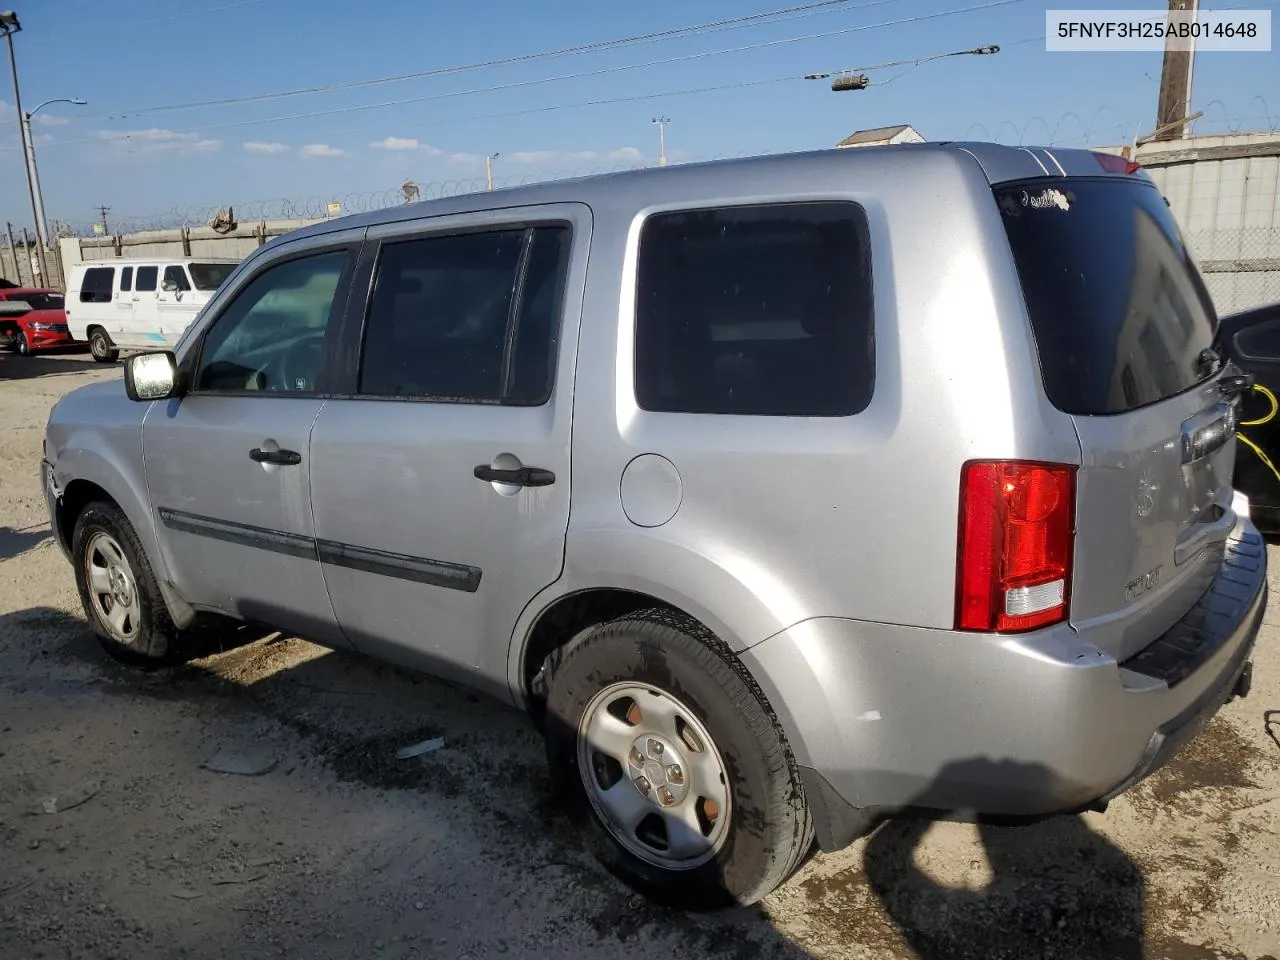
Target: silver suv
786, 494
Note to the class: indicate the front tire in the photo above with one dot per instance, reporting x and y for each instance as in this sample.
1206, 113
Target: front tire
100, 345
22, 345
670, 764
118, 589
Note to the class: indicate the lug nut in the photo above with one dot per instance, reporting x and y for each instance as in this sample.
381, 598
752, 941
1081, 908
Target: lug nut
637, 757
655, 748
643, 785
665, 796
675, 774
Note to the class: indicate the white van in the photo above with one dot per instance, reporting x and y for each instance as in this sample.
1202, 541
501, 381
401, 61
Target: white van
140, 303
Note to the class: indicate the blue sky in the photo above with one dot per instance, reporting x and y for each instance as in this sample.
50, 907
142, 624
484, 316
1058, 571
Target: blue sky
128, 56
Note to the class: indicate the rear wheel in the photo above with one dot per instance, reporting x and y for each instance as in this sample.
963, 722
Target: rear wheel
100, 345
671, 765
118, 589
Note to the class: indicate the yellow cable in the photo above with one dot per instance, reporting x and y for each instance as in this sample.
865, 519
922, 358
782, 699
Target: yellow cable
1271, 414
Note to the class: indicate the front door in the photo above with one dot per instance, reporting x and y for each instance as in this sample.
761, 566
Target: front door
441, 485
141, 327
228, 464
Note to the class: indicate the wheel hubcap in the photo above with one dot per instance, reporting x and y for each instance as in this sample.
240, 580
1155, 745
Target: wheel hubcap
112, 588
654, 776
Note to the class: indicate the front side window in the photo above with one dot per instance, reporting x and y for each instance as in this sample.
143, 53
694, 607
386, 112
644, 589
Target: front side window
147, 279
209, 276
271, 336
468, 317
756, 310
175, 278
96, 287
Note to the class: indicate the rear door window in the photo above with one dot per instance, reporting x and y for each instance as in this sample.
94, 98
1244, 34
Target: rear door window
1118, 308
756, 310
126, 279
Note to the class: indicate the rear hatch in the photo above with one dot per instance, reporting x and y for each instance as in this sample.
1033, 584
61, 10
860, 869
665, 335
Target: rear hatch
1124, 326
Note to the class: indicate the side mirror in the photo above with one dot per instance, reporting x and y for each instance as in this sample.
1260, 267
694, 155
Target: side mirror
168, 286
152, 376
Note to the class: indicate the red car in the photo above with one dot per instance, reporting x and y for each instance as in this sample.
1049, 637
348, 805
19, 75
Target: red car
32, 320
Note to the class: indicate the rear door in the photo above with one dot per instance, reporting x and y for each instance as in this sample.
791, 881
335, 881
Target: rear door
440, 485
142, 328
1124, 328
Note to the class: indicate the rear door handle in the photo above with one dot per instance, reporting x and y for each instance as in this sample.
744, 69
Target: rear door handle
286, 458
521, 477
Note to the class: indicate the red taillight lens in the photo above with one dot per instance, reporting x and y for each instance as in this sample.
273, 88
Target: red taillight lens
1017, 523
1114, 164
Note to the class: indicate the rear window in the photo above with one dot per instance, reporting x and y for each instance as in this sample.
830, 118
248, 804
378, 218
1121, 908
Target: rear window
209, 276
1119, 311
39, 301
755, 310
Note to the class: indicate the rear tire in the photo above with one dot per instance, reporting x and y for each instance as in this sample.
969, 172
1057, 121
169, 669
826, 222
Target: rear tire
118, 589
100, 345
644, 716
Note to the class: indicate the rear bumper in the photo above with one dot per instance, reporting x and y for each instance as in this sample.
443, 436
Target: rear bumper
886, 718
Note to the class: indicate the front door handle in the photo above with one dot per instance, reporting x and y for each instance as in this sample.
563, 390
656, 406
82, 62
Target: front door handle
286, 458
521, 477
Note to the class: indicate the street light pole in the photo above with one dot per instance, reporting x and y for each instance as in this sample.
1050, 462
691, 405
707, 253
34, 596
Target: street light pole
10, 25
488, 170
662, 139
37, 198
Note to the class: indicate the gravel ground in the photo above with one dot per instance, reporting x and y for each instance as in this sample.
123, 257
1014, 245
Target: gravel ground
339, 850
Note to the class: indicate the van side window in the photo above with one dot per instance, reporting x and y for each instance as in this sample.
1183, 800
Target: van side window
126, 279
175, 278
756, 310
96, 287
147, 278
471, 317
271, 336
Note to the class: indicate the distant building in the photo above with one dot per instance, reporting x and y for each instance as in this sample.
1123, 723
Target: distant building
882, 137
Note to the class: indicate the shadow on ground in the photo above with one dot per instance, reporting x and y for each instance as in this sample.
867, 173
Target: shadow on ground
16, 367
14, 542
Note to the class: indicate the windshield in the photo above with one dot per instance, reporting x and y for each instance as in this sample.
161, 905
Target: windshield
38, 301
209, 276
1118, 308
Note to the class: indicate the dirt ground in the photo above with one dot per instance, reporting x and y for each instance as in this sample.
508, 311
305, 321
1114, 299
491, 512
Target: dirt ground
117, 839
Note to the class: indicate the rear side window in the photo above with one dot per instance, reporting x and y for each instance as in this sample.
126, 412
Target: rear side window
469, 317
96, 287
1119, 311
757, 310
147, 278
126, 279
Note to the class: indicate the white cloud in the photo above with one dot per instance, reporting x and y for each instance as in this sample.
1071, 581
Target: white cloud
156, 140
263, 146
49, 120
321, 150
550, 157
396, 143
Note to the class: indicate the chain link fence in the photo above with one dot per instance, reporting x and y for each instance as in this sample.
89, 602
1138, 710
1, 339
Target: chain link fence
1241, 267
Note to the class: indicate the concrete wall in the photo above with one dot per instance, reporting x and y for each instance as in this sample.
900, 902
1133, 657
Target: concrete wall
1225, 193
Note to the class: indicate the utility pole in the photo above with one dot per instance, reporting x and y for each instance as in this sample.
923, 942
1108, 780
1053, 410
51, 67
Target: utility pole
662, 139
488, 170
1175, 82
102, 212
10, 25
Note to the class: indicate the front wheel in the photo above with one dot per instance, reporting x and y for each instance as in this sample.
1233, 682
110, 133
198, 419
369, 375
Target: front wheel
671, 765
22, 345
100, 345
118, 590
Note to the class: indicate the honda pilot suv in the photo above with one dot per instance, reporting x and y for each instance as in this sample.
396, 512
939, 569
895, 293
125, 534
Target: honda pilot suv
787, 494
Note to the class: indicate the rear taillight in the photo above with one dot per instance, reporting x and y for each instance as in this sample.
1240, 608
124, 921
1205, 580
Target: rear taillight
1114, 164
1017, 528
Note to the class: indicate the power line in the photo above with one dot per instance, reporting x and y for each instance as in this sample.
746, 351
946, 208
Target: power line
595, 47
332, 111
